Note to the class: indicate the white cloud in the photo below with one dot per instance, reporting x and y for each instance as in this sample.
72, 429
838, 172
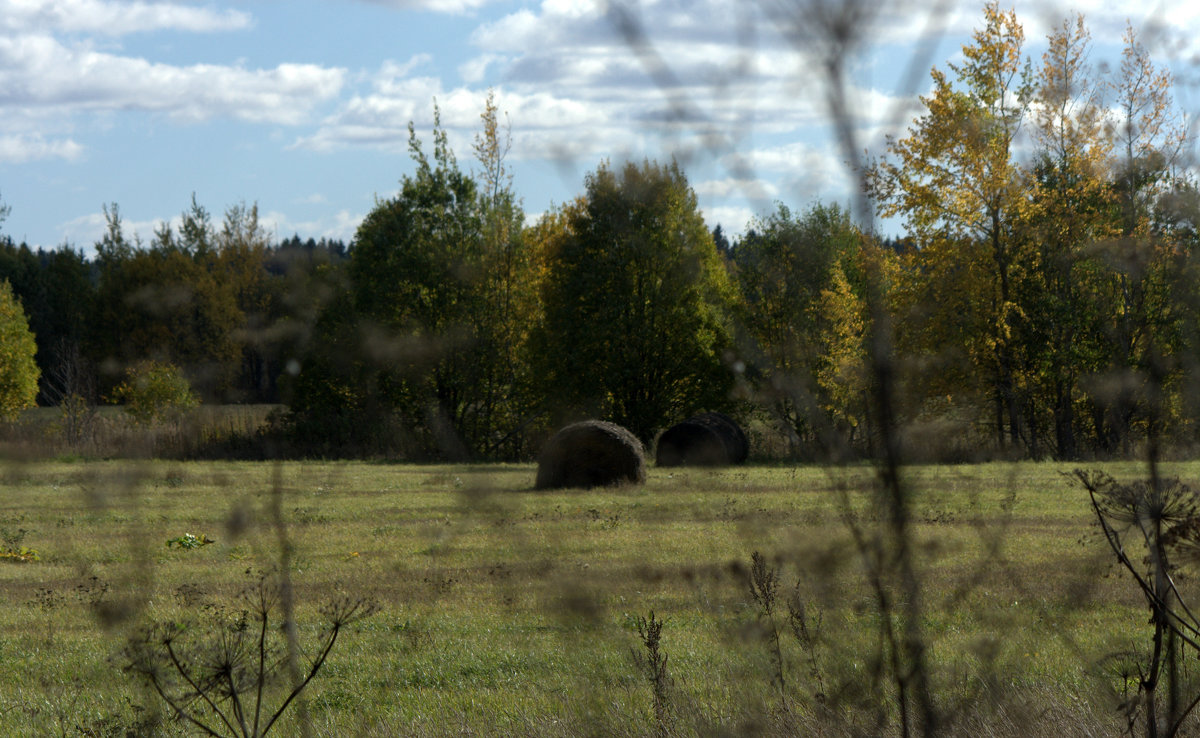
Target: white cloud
790, 158
391, 71
754, 189
904, 23
341, 225
514, 32
16, 149
475, 69
801, 171
115, 18
437, 6
574, 89
380, 118
39, 72
86, 230
733, 219
572, 8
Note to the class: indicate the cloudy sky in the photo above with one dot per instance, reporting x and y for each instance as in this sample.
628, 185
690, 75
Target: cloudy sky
302, 106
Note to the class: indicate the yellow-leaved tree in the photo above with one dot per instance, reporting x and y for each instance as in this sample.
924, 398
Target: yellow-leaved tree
957, 186
18, 371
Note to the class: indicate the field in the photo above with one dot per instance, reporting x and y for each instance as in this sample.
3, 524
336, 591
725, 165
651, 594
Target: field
505, 611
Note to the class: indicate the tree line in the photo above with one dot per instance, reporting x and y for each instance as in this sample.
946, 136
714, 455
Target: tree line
221, 301
1042, 299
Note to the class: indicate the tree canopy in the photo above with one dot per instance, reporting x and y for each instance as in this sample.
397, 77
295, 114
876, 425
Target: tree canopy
636, 302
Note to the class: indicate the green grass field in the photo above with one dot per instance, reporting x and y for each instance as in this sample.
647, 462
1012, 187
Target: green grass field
505, 611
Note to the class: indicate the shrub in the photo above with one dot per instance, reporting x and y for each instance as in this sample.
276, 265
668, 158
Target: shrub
153, 390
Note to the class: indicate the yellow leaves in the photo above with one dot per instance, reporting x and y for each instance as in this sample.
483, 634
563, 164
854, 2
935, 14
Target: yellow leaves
1071, 123
1144, 98
956, 167
18, 371
842, 372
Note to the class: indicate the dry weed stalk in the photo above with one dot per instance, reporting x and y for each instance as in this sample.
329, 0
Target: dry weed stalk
1153, 526
219, 678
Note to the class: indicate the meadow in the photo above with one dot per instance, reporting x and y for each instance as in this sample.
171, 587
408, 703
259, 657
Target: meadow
501, 610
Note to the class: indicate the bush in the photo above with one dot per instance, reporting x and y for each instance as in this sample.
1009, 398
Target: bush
153, 391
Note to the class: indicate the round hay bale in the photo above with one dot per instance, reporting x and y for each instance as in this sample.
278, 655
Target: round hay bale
592, 453
707, 439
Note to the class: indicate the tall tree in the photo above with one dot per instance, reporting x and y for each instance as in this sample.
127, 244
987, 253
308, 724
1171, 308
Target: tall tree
1150, 140
636, 303
68, 299
242, 246
510, 298
842, 369
1069, 211
956, 183
418, 268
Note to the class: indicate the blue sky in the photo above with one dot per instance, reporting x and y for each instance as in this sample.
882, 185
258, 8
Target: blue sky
302, 106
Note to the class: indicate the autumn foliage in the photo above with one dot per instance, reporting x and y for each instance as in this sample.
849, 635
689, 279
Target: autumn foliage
18, 371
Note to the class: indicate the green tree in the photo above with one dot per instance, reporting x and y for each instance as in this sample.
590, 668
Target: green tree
109, 322
789, 269
1142, 331
636, 303
1070, 209
510, 299
240, 263
417, 268
168, 302
440, 299
57, 293
70, 298
336, 406
18, 369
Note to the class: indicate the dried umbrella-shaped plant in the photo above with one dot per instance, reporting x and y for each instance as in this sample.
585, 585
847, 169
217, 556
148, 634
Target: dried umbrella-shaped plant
1152, 527
221, 676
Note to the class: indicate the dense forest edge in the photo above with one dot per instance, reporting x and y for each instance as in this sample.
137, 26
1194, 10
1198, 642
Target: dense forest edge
1041, 303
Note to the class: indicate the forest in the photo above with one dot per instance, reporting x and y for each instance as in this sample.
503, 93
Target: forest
1040, 302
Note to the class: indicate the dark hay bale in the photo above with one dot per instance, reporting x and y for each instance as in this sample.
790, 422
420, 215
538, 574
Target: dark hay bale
708, 439
591, 453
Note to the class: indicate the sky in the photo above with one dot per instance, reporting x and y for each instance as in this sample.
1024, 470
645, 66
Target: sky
302, 107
